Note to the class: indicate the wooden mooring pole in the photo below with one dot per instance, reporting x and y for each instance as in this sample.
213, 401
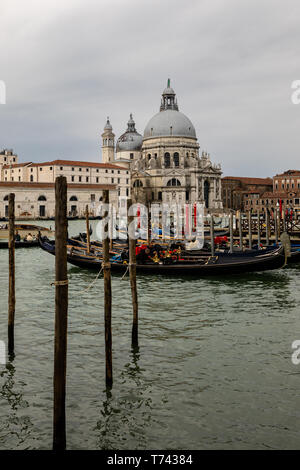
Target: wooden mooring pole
132, 274
267, 227
276, 226
258, 230
250, 229
240, 230
212, 236
61, 314
88, 238
107, 297
231, 231
11, 283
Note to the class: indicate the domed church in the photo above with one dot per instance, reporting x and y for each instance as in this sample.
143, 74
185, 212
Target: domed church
165, 164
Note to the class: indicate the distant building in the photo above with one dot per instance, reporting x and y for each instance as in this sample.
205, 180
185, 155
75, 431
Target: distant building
236, 190
285, 190
33, 184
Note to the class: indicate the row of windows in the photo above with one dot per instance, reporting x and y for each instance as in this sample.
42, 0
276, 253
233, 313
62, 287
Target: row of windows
171, 182
287, 185
61, 169
267, 201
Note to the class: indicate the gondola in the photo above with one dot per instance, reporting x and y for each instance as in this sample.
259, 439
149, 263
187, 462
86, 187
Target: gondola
203, 266
20, 244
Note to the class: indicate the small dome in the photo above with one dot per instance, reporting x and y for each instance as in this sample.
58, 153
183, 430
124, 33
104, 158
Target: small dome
169, 123
131, 140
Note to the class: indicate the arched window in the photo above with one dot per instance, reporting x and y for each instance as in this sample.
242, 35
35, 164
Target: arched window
167, 160
176, 159
137, 184
42, 198
73, 198
149, 156
173, 182
5, 198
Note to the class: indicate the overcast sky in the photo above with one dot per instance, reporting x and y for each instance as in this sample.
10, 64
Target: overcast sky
68, 64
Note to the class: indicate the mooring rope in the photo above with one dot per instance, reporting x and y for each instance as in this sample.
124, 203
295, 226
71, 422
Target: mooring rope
125, 273
66, 282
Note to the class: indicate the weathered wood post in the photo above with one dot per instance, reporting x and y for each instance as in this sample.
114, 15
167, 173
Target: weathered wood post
61, 314
88, 239
132, 274
212, 236
276, 226
11, 282
258, 229
107, 295
250, 229
267, 227
283, 221
231, 231
240, 231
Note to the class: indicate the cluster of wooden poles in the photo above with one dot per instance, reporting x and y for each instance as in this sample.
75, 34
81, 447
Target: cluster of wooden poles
61, 302
248, 228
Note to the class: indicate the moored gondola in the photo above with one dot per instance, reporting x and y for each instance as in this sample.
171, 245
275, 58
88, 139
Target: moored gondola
201, 266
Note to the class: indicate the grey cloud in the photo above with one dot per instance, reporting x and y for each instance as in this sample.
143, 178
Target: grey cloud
68, 65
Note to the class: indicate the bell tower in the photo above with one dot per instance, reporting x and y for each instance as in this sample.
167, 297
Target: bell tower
108, 143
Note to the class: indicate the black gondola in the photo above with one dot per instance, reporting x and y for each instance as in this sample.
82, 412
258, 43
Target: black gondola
20, 244
206, 265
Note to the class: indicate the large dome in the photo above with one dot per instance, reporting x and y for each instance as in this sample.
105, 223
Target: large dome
169, 122
131, 140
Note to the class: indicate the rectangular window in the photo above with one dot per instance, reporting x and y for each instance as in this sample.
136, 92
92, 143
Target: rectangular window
97, 179
93, 197
73, 169
72, 178
131, 156
127, 192
119, 179
79, 179
87, 179
112, 180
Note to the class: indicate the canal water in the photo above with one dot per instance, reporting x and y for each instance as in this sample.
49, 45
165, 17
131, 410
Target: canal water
213, 369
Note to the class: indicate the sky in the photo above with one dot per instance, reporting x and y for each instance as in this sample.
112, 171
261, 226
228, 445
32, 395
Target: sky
69, 64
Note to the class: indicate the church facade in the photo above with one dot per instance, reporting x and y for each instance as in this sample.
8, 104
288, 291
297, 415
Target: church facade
165, 163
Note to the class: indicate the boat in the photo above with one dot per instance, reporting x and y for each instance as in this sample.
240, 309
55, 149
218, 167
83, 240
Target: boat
200, 266
25, 229
20, 244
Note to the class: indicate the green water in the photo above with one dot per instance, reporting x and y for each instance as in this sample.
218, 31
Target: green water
213, 370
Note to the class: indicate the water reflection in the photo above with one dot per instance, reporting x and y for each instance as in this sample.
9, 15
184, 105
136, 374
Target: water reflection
126, 410
15, 426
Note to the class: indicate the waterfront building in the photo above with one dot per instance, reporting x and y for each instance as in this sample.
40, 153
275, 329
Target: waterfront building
285, 191
37, 200
236, 190
34, 184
